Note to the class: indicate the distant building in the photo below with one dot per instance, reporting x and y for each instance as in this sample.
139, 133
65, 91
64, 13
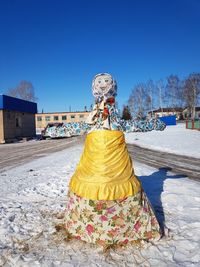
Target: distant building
161, 112
17, 118
42, 119
187, 113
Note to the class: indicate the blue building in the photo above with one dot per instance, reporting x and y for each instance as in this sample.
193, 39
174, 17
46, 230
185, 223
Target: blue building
17, 118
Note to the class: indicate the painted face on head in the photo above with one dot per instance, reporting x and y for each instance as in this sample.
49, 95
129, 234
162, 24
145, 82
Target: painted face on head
103, 85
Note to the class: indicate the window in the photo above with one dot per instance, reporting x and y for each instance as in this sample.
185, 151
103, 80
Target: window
72, 116
64, 118
55, 118
39, 118
47, 118
81, 116
17, 122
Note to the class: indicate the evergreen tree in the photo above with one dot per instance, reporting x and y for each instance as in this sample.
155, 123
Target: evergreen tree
126, 114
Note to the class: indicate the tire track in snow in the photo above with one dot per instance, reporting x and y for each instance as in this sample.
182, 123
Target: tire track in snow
180, 164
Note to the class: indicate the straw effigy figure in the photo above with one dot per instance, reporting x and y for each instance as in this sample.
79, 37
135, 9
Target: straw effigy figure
106, 202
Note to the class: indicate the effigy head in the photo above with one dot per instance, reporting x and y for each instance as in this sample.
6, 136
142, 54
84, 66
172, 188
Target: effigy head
104, 86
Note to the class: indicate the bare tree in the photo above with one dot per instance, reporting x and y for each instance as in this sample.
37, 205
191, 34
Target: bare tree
174, 92
191, 92
138, 100
131, 103
161, 94
24, 90
149, 95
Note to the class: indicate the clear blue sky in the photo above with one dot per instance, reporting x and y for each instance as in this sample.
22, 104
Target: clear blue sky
59, 45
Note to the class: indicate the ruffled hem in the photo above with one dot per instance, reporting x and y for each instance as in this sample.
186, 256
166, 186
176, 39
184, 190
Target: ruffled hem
106, 191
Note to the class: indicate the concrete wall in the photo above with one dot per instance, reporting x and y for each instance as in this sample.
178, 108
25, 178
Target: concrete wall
18, 124
1, 128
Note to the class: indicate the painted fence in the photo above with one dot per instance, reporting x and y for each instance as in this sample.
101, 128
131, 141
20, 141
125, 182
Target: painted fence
193, 124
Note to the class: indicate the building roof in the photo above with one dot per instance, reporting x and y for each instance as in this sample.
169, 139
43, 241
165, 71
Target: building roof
16, 104
167, 110
64, 112
196, 109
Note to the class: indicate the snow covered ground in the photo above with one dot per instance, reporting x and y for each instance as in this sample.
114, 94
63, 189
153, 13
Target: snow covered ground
175, 139
33, 201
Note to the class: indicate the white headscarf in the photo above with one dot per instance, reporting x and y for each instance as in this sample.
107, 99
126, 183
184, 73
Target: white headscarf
104, 87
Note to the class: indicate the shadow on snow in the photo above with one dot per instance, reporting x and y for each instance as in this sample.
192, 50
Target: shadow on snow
154, 186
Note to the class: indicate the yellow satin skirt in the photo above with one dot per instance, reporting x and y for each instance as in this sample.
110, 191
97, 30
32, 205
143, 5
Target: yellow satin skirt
105, 169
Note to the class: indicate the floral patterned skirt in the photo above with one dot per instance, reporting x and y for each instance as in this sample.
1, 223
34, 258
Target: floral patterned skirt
111, 222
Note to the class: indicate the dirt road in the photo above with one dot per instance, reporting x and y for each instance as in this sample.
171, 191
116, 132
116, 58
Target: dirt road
179, 164
16, 154
12, 155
